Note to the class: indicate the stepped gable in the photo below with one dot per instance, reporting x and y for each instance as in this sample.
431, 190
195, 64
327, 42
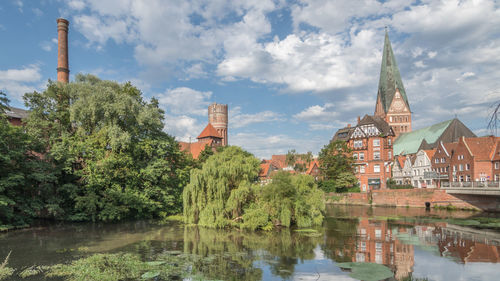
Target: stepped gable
390, 78
429, 137
209, 132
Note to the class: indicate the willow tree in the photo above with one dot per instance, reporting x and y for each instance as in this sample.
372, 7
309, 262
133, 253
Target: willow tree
209, 190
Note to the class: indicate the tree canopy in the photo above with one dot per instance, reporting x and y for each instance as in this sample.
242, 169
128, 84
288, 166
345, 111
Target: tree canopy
106, 155
336, 166
224, 193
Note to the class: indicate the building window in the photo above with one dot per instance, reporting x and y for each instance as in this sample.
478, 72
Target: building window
461, 167
460, 157
443, 160
446, 169
467, 167
378, 233
454, 168
356, 169
358, 143
389, 155
497, 165
389, 141
497, 177
362, 169
387, 168
461, 178
376, 155
355, 156
376, 168
376, 142
467, 178
361, 156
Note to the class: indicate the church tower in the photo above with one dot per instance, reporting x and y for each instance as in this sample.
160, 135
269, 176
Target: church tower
392, 103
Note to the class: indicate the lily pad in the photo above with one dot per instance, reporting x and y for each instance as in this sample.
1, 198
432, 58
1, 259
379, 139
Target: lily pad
367, 271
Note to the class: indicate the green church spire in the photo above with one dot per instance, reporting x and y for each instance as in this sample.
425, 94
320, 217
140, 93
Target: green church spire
390, 79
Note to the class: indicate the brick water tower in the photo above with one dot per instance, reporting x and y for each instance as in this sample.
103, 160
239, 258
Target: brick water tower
217, 116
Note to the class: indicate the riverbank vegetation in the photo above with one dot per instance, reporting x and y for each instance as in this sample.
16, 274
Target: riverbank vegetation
89, 150
224, 193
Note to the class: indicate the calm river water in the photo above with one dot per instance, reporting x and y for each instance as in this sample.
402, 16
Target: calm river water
412, 247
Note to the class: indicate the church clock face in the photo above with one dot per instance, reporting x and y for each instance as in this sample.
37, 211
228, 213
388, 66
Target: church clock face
398, 105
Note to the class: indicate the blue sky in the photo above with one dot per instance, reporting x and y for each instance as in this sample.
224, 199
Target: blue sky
292, 72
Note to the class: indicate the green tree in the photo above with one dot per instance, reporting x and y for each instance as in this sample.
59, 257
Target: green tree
210, 188
336, 166
4, 103
108, 148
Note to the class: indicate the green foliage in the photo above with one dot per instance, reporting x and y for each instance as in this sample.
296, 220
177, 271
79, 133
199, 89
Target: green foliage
4, 103
336, 169
221, 194
25, 179
93, 150
122, 266
4, 270
210, 188
299, 162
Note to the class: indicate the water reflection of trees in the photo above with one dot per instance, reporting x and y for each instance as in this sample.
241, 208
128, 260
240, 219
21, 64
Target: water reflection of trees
232, 254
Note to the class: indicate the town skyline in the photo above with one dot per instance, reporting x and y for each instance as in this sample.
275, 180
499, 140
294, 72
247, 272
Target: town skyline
290, 77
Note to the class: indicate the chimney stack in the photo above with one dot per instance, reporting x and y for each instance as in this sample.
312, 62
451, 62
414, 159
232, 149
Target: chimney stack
348, 125
359, 119
62, 50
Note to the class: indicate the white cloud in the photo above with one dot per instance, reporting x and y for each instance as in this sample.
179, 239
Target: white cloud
183, 127
16, 82
76, 5
318, 113
313, 62
264, 145
239, 120
185, 101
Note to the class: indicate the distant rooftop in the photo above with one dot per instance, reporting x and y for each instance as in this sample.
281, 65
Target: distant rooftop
14, 112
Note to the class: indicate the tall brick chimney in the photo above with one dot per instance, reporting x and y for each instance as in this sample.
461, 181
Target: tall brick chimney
62, 50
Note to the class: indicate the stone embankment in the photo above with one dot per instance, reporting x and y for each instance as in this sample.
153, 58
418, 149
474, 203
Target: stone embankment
417, 198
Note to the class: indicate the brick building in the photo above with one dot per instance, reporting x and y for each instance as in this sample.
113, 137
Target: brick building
468, 160
214, 134
371, 142
16, 115
392, 103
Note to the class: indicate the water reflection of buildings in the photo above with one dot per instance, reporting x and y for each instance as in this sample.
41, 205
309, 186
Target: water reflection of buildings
377, 243
394, 245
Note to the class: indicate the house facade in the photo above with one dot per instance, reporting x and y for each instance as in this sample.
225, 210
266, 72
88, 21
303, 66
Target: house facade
422, 165
371, 143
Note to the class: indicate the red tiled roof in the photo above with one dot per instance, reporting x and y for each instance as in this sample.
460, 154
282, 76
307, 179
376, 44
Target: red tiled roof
311, 166
209, 131
264, 169
279, 160
481, 148
194, 148
401, 160
430, 153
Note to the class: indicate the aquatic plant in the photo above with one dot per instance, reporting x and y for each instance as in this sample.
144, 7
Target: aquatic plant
4, 270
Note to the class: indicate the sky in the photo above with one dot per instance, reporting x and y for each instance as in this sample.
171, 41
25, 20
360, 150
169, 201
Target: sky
292, 72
